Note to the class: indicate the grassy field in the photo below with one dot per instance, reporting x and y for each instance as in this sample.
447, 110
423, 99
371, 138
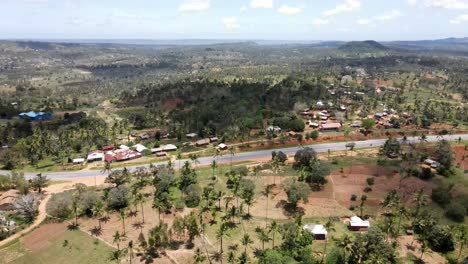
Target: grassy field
80, 248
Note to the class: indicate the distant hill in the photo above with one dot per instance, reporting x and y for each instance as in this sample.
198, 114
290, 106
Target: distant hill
363, 46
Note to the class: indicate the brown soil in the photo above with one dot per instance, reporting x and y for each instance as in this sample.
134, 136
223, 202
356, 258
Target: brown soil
353, 180
461, 156
407, 245
40, 237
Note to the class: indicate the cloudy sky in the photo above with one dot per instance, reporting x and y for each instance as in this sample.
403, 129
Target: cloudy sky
234, 19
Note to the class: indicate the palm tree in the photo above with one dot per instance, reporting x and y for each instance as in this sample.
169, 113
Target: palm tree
329, 227
98, 210
199, 256
262, 236
140, 198
275, 164
214, 166
346, 243
424, 249
232, 152
461, 234
122, 216
267, 193
273, 228
361, 206
220, 234
246, 241
117, 239
179, 157
131, 253
420, 199
195, 160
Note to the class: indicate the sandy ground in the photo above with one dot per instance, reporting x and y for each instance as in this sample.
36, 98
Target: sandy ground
54, 188
407, 245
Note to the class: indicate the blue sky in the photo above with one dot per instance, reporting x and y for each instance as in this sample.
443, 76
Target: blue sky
234, 19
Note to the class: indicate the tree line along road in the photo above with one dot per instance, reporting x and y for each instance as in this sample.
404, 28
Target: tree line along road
245, 156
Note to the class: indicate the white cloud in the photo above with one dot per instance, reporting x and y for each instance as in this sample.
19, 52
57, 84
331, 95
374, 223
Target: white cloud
289, 10
231, 23
194, 5
319, 22
447, 4
346, 6
459, 19
243, 9
363, 21
389, 15
412, 2
261, 4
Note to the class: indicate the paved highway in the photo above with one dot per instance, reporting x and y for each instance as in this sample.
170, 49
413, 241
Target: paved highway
244, 156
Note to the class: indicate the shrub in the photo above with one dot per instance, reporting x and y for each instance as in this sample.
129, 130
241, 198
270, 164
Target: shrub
60, 205
352, 207
370, 181
353, 197
456, 212
193, 195
426, 174
441, 195
440, 239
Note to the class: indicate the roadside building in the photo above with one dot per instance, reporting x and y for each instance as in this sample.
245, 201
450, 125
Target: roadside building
191, 135
108, 148
222, 146
356, 123
274, 129
126, 154
140, 148
95, 156
214, 139
202, 142
78, 161
169, 147
330, 127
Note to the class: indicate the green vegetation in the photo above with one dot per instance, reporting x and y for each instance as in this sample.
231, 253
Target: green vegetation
69, 247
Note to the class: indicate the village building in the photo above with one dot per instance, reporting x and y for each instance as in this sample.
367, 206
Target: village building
124, 147
213, 139
169, 147
95, 156
108, 148
191, 135
330, 127
274, 129
126, 154
78, 161
319, 231
140, 148
161, 154
222, 146
36, 116
202, 142
357, 123
357, 224
312, 124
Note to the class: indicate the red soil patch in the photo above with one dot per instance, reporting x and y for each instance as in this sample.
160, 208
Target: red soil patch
40, 237
353, 180
172, 103
461, 156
